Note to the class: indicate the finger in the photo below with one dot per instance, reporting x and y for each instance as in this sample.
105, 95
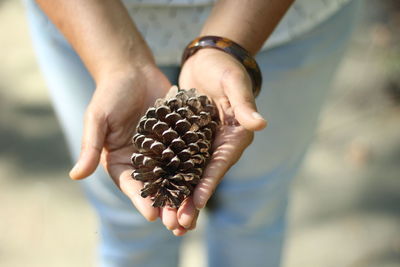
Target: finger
187, 213
169, 218
179, 231
118, 166
238, 88
218, 166
230, 143
194, 222
131, 188
92, 144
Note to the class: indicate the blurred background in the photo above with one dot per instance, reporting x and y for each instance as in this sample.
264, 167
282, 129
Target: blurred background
345, 204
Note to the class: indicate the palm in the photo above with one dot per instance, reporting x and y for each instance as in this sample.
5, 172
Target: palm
229, 144
119, 167
116, 108
225, 81
220, 77
110, 122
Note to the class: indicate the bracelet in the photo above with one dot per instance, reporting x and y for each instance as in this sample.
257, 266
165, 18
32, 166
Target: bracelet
232, 48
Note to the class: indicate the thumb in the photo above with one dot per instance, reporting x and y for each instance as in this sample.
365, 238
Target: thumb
241, 98
92, 144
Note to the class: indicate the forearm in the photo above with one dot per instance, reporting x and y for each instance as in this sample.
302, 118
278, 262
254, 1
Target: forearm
101, 32
247, 22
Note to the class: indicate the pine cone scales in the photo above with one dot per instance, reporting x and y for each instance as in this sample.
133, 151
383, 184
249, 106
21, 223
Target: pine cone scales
174, 140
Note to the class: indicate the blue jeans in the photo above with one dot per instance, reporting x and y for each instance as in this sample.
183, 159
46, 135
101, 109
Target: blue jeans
247, 225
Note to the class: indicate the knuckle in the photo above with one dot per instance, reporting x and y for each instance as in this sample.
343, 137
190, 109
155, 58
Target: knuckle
245, 100
232, 75
89, 114
93, 116
221, 162
237, 75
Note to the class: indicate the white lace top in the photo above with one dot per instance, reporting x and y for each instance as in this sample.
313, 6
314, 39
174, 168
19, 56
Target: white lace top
169, 25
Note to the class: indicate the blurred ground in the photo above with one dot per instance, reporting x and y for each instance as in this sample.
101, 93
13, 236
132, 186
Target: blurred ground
345, 205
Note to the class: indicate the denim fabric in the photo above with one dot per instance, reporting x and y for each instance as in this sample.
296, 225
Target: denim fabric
247, 224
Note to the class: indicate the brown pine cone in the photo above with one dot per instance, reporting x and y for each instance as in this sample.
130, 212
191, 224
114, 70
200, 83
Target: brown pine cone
174, 141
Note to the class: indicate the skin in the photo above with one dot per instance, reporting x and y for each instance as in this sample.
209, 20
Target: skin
128, 82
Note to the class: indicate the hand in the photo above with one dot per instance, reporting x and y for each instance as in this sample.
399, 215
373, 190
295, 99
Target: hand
110, 120
222, 78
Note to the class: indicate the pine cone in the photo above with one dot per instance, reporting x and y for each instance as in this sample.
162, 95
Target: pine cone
174, 140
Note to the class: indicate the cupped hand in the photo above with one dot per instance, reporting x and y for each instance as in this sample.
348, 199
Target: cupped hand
121, 99
118, 103
222, 78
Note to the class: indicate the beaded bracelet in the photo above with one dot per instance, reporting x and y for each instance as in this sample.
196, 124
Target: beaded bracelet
232, 48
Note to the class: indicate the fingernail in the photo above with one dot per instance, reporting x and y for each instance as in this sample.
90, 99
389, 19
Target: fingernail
185, 218
74, 170
200, 206
257, 116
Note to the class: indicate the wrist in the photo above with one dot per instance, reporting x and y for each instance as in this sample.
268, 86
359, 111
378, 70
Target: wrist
236, 37
231, 48
124, 72
126, 69
203, 55
129, 58
248, 23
